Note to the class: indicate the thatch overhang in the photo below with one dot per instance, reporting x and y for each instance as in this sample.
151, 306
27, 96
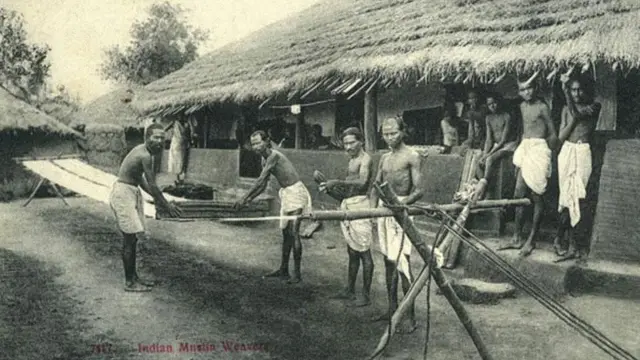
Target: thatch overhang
17, 115
113, 108
357, 44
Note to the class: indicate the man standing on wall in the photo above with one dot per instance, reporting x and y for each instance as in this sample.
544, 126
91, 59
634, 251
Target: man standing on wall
357, 233
579, 119
533, 160
126, 200
294, 197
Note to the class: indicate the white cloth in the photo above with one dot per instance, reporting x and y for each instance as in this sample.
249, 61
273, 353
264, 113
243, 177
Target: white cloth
392, 237
533, 157
178, 147
574, 170
357, 233
128, 206
292, 198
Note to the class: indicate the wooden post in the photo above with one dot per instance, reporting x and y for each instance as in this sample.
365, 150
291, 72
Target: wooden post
300, 129
371, 120
401, 216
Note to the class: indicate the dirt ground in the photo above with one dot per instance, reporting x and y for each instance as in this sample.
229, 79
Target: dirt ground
61, 297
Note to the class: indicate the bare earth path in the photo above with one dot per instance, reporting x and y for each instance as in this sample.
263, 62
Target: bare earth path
211, 291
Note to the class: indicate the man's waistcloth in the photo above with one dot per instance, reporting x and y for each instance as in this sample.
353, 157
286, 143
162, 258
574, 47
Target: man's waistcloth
393, 239
574, 170
533, 157
357, 233
292, 198
127, 205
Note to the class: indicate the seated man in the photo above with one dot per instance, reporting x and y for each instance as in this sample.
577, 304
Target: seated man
501, 141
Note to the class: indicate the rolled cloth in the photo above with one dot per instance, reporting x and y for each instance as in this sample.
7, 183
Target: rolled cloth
178, 147
533, 157
292, 198
357, 233
574, 170
391, 237
127, 205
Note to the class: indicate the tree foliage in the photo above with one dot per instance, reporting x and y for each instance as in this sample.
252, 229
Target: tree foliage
24, 67
160, 45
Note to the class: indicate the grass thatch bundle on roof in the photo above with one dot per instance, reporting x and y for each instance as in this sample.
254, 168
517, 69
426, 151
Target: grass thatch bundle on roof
17, 115
404, 40
113, 108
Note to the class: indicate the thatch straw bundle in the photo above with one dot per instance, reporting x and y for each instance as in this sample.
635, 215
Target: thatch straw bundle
399, 41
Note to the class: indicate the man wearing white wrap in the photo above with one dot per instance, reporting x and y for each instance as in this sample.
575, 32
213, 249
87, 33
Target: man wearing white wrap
352, 192
579, 119
294, 200
400, 168
533, 160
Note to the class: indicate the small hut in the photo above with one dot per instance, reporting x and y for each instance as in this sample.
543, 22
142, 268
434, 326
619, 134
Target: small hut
27, 131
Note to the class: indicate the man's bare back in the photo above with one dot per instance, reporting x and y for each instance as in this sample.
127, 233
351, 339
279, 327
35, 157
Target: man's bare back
282, 169
132, 167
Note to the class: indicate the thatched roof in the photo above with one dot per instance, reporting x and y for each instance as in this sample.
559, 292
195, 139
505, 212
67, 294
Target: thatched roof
396, 41
113, 108
16, 114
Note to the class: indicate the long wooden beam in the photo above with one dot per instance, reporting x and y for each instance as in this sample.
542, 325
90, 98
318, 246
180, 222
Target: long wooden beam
412, 233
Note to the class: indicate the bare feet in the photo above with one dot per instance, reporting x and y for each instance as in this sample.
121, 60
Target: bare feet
295, 279
345, 295
557, 247
144, 282
281, 274
364, 301
407, 327
516, 244
383, 317
568, 255
135, 287
527, 249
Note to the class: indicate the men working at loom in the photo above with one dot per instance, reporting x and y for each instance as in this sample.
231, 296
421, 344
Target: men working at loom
127, 204
533, 160
400, 168
294, 196
358, 233
500, 142
579, 119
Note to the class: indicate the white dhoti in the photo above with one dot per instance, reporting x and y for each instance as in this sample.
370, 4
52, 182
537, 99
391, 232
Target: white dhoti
292, 198
574, 170
533, 157
357, 233
128, 206
392, 240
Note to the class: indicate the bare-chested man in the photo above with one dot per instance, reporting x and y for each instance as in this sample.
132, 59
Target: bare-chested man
294, 198
533, 160
579, 119
357, 233
475, 116
137, 170
400, 168
500, 142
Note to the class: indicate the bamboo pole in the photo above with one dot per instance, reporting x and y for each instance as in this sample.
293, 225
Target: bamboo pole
371, 120
389, 198
358, 214
451, 244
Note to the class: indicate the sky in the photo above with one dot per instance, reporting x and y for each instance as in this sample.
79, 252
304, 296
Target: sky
78, 30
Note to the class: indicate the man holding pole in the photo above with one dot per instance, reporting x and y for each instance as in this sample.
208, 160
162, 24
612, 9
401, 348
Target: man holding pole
294, 197
357, 233
400, 168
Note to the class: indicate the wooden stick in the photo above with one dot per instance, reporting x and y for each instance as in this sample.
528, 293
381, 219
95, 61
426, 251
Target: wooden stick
58, 157
34, 191
401, 216
58, 193
451, 243
404, 305
386, 212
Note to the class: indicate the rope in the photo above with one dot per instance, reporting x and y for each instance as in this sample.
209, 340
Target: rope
585, 329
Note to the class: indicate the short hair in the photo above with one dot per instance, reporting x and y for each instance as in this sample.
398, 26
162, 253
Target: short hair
150, 128
402, 126
495, 96
352, 131
263, 135
586, 84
